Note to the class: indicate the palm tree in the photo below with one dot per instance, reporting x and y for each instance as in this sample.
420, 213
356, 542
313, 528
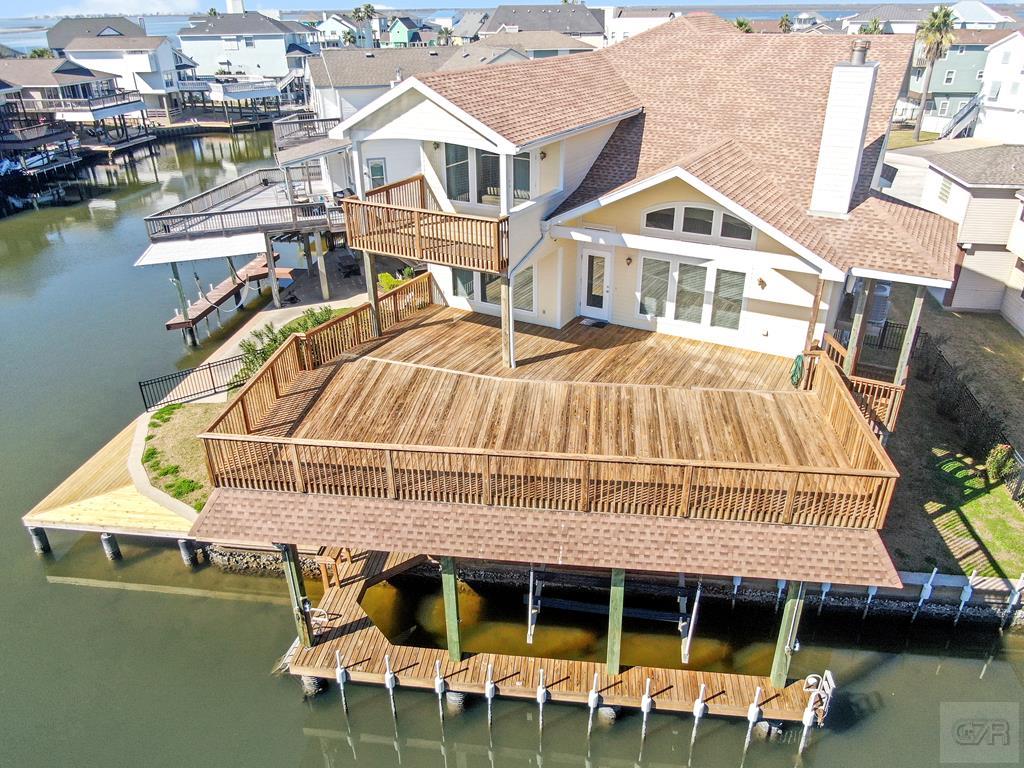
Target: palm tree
212, 12
369, 11
935, 36
349, 38
444, 35
358, 14
873, 27
743, 25
785, 24
40, 53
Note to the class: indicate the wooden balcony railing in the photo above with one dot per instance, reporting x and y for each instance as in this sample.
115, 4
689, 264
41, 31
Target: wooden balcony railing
855, 497
404, 220
294, 130
880, 400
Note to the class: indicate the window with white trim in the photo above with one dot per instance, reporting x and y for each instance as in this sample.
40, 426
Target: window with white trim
690, 282
674, 288
697, 221
943, 109
378, 168
490, 288
475, 175
727, 299
522, 290
456, 172
949, 77
463, 283
485, 288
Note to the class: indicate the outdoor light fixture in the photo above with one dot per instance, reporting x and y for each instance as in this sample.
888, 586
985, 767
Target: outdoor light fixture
761, 283
543, 155
437, 145
629, 261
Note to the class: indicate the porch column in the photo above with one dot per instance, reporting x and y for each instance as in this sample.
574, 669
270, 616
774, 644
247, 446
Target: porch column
450, 592
784, 646
857, 328
908, 340
506, 321
616, 602
289, 191
321, 263
812, 321
275, 291
357, 169
370, 274
297, 592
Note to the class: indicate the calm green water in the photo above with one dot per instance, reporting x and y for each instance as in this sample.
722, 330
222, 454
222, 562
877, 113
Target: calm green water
109, 665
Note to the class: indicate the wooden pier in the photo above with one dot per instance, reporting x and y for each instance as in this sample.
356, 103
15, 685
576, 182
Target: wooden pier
227, 288
342, 627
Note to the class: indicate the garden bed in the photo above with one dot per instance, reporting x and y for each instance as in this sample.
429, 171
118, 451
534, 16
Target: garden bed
173, 457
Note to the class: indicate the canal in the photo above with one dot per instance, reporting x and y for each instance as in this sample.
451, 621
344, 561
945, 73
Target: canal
144, 663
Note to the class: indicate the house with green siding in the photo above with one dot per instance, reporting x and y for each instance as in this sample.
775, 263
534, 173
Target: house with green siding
956, 78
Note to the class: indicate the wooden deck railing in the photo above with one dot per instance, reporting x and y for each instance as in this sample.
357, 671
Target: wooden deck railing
403, 220
308, 351
876, 399
856, 496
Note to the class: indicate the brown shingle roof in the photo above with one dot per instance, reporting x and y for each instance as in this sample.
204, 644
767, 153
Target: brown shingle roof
598, 540
508, 98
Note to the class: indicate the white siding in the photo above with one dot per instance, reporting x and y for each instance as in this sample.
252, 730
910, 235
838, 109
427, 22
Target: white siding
982, 279
988, 219
1012, 306
411, 116
955, 205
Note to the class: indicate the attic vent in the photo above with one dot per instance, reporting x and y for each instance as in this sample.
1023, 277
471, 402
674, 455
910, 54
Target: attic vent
432, 53
465, 55
368, 55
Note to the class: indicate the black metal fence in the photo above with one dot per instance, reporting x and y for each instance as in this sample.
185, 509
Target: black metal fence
191, 383
889, 336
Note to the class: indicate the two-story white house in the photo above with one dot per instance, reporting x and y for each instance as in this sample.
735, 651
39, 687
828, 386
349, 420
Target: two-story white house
635, 198
74, 28
335, 30
1001, 108
147, 64
249, 44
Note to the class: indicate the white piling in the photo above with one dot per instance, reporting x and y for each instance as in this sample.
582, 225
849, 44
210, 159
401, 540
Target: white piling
736, 581
808, 720
542, 696
390, 682
872, 591
490, 691
439, 689
110, 547
1013, 600
341, 676
692, 628
646, 705
754, 714
965, 595
926, 592
593, 702
780, 585
826, 587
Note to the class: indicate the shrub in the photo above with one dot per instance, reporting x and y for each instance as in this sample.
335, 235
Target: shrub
263, 342
182, 487
169, 469
999, 462
150, 454
408, 274
388, 282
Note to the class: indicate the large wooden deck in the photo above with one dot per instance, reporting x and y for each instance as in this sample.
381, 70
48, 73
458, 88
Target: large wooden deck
593, 419
362, 647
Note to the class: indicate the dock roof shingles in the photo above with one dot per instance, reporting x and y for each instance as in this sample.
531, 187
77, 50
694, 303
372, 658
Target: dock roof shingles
596, 540
744, 106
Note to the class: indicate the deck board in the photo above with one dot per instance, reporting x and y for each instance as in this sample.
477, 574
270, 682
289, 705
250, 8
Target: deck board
363, 647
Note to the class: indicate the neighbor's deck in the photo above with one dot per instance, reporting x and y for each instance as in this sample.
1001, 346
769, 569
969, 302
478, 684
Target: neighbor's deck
362, 647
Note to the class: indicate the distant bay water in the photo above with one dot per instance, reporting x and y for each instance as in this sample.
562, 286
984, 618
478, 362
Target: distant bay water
24, 34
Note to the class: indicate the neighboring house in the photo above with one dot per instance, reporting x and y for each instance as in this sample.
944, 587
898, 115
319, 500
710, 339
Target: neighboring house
829, 28
6, 52
577, 21
59, 89
481, 53
979, 188
148, 64
406, 32
905, 19
538, 45
30, 144
248, 44
807, 19
66, 30
1001, 107
621, 23
956, 78
332, 29
467, 28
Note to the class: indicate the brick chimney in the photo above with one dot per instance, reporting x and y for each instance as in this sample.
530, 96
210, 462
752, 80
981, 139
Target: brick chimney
842, 135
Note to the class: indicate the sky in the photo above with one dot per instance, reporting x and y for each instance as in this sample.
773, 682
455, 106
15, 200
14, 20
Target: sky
16, 8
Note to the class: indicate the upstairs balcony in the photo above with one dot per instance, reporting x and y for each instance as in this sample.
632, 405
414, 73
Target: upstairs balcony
294, 130
259, 201
33, 136
89, 109
425, 413
405, 220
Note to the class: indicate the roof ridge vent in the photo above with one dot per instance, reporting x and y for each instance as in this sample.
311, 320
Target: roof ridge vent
368, 54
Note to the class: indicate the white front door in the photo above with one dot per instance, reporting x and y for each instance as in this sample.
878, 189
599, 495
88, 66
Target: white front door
595, 284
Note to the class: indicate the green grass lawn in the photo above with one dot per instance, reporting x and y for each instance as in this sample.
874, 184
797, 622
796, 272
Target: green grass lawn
905, 138
945, 513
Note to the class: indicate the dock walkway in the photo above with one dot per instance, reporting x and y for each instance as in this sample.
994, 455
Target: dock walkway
363, 647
